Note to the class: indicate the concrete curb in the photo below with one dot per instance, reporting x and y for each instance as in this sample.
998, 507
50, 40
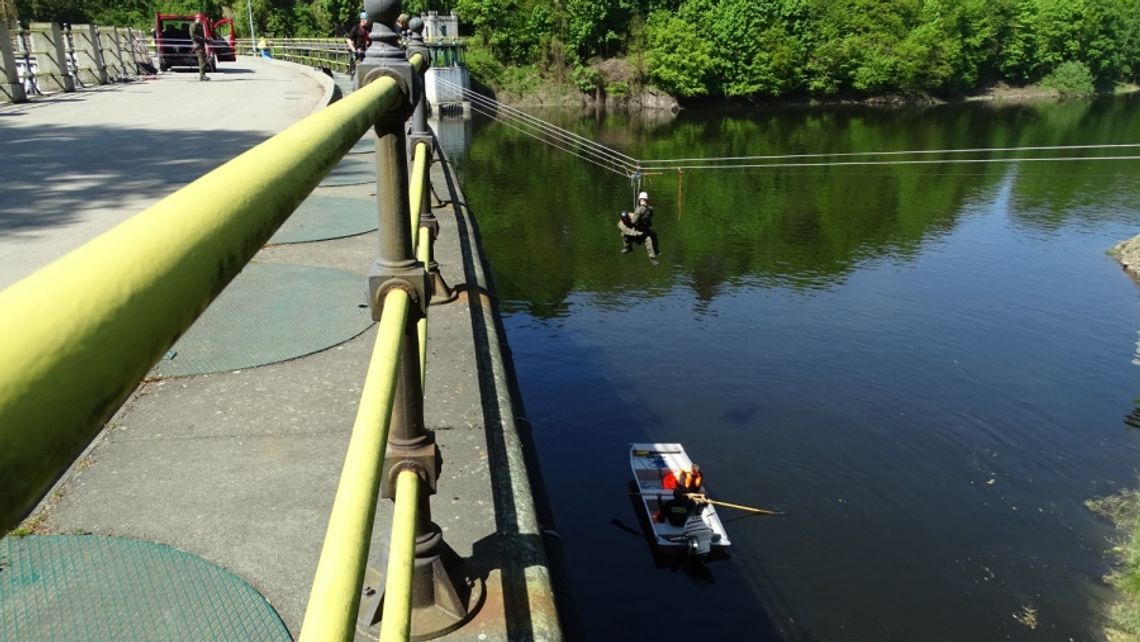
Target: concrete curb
516, 514
332, 92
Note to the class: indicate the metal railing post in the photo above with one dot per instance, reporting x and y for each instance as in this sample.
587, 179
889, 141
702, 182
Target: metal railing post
47, 44
436, 603
440, 292
12, 87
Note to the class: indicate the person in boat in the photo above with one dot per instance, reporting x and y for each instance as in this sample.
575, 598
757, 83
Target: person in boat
678, 509
637, 227
689, 481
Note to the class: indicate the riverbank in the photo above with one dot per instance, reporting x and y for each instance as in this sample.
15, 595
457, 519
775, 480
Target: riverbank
1123, 616
616, 86
1123, 510
1127, 253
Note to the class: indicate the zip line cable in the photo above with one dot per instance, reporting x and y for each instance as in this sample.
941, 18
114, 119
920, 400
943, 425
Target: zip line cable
588, 146
975, 150
493, 116
549, 138
940, 161
541, 123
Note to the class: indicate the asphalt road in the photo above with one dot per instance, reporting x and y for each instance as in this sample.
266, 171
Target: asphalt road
74, 165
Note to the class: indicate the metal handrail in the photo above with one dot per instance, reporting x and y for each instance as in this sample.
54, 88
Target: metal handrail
81, 333
397, 621
335, 596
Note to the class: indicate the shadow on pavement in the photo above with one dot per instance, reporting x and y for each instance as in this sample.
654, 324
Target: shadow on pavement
51, 171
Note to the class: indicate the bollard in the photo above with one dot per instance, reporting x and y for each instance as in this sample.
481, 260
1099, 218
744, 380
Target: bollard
440, 292
47, 44
11, 86
438, 606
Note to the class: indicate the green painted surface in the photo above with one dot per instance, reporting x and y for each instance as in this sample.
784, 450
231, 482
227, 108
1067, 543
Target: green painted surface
327, 217
356, 169
92, 587
271, 313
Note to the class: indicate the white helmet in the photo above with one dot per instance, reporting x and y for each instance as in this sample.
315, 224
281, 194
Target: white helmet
643, 195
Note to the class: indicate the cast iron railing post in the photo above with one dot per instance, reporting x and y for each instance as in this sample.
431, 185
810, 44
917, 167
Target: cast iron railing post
436, 604
440, 291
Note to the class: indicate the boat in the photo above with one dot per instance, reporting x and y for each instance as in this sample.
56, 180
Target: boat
700, 531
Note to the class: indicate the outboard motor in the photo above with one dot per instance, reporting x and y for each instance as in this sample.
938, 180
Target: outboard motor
698, 535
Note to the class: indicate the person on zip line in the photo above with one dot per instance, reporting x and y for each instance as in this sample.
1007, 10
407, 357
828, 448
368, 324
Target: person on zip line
637, 227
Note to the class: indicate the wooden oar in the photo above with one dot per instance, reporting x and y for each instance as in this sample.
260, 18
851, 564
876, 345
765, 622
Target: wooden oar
759, 511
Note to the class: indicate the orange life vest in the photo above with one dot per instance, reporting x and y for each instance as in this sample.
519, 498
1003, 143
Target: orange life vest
690, 481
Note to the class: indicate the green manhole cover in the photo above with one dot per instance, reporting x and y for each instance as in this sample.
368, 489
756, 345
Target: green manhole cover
271, 313
352, 170
321, 218
91, 587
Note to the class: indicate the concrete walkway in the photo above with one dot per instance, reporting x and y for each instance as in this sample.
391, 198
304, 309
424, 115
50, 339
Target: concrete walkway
241, 467
75, 165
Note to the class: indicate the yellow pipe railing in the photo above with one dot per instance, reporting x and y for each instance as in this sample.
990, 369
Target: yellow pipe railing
421, 237
335, 596
78, 335
416, 187
396, 623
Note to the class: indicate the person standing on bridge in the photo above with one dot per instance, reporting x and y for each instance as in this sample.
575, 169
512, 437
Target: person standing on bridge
637, 227
358, 40
198, 42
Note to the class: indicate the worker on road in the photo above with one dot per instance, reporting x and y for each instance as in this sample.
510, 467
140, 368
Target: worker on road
198, 40
637, 227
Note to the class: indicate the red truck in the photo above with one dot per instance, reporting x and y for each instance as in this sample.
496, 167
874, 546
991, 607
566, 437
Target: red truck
175, 49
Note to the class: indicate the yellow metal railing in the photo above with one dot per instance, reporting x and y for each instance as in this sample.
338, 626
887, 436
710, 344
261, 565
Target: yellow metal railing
335, 596
79, 335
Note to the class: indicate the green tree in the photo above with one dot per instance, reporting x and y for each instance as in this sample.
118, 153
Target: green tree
679, 61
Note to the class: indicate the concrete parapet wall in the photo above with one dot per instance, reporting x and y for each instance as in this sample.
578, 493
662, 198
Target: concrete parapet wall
89, 65
11, 87
46, 41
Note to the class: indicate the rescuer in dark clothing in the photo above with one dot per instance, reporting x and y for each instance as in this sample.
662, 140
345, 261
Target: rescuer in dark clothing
637, 227
198, 41
678, 509
358, 40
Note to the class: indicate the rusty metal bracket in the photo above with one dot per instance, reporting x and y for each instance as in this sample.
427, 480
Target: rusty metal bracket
413, 279
423, 458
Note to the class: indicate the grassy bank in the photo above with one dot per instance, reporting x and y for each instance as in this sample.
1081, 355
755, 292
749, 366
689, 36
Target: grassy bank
1123, 617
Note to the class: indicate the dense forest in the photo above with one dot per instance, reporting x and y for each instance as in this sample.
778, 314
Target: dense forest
732, 48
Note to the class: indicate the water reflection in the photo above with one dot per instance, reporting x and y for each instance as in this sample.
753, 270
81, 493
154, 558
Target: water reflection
926, 366
550, 229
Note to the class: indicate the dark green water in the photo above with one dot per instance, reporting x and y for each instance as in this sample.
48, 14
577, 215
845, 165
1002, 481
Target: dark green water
929, 367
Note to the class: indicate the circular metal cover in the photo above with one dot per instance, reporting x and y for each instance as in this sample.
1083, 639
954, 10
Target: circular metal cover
271, 313
92, 587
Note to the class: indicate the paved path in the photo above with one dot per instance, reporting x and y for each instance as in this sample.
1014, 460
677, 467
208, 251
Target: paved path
75, 165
